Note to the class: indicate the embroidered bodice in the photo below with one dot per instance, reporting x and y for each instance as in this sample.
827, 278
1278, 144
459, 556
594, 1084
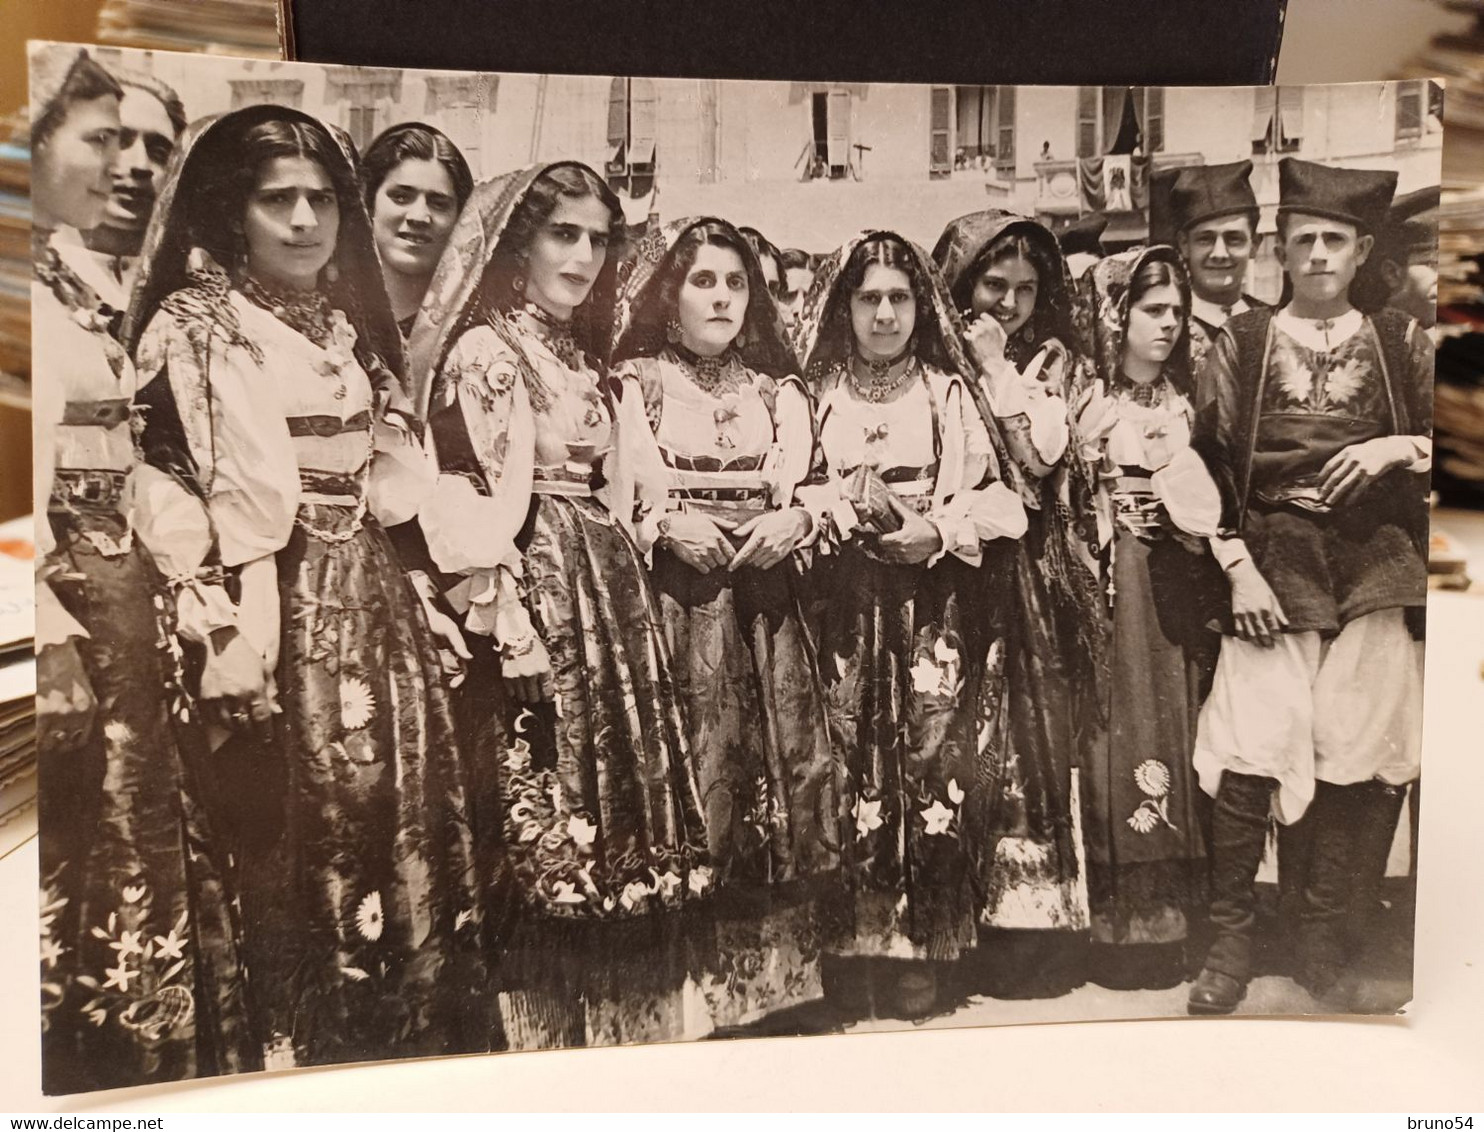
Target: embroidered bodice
322, 393
1152, 474
1153, 426
730, 428
1314, 403
85, 385
898, 437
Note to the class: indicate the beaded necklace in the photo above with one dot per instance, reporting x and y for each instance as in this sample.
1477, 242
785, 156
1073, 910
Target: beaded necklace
554, 332
880, 384
714, 375
306, 311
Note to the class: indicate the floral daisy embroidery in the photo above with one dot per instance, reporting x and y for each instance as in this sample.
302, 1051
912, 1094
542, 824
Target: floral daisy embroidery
357, 703
1152, 778
369, 918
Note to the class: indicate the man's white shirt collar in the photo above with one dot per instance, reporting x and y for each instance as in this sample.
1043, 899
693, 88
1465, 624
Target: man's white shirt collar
1214, 314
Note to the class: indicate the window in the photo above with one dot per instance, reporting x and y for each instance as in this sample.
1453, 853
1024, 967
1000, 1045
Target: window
975, 115
367, 98
1277, 119
1119, 119
830, 119
633, 113
362, 124
459, 104
1410, 110
984, 128
1290, 117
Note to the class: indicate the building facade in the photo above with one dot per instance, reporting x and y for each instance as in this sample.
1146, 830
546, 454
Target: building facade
812, 163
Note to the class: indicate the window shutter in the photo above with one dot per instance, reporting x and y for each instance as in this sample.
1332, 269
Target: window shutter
1087, 121
838, 144
940, 150
618, 113
1408, 110
1005, 130
643, 121
1114, 98
1154, 119
1290, 117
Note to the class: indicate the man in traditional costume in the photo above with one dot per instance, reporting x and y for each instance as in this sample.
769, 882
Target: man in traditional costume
1209, 213
1314, 420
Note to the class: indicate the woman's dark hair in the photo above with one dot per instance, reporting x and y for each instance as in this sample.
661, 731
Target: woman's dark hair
796, 257
413, 141
1009, 245
228, 189
85, 81
570, 182
683, 257
887, 250
761, 343
1154, 273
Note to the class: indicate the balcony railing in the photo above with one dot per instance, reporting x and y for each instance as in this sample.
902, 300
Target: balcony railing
1059, 194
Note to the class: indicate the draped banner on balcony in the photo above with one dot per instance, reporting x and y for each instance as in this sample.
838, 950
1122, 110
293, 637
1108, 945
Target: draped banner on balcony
1113, 183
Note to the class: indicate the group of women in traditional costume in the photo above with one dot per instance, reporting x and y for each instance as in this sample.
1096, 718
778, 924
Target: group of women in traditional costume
478, 629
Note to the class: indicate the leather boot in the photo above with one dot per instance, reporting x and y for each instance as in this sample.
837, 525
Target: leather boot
1381, 808
1239, 833
1352, 831
1333, 817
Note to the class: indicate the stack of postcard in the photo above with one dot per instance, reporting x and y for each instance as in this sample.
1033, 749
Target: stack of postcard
236, 27
17, 684
1459, 58
15, 255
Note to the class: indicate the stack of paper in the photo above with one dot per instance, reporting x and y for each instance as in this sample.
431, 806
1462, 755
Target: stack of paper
228, 27
1459, 419
15, 258
17, 684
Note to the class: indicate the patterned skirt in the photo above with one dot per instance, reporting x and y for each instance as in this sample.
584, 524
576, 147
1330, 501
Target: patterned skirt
1031, 872
361, 904
754, 709
588, 814
902, 664
141, 977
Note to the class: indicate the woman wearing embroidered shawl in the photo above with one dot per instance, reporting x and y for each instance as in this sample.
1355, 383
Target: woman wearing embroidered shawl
901, 641
1156, 507
588, 817
269, 358
1009, 281
722, 433
141, 975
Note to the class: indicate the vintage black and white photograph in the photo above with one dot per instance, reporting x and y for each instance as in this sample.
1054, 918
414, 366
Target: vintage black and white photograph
534, 561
